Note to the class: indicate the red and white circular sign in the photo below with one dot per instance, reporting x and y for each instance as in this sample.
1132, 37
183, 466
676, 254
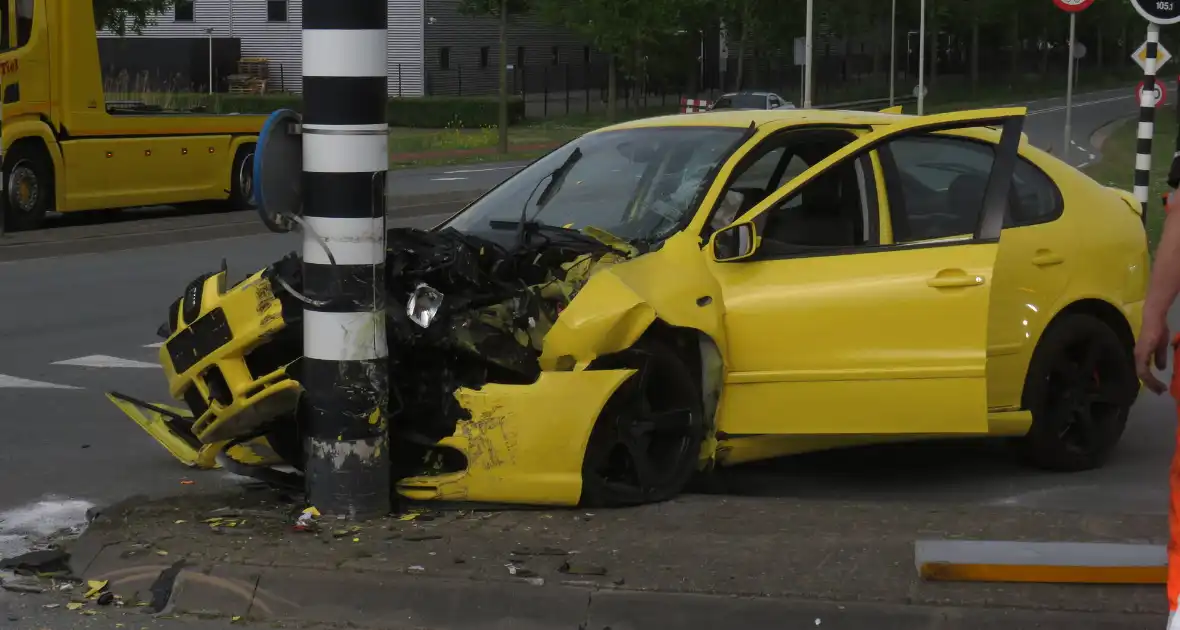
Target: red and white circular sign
1161, 94
1073, 6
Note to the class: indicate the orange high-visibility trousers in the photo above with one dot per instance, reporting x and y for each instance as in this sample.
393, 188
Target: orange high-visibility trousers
1174, 500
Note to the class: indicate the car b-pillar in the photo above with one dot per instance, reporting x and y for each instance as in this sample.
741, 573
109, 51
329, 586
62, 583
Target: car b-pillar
344, 372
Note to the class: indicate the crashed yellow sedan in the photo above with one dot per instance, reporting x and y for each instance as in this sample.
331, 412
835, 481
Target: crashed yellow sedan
664, 296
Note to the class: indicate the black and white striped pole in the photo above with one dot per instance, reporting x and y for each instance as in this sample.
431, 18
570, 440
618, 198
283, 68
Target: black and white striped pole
1157, 13
345, 159
1147, 104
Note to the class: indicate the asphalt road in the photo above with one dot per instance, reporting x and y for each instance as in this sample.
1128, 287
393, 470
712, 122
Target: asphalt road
75, 325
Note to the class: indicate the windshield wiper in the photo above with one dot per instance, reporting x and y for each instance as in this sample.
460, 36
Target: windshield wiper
556, 179
524, 228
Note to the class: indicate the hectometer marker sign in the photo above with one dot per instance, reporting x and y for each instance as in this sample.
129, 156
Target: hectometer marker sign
1161, 12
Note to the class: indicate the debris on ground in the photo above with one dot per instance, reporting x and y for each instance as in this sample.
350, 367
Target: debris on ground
573, 567
307, 520
38, 562
542, 551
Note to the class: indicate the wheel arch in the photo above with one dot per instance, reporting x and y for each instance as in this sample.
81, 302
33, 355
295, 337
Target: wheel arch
704, 359
1100, 309
35, 136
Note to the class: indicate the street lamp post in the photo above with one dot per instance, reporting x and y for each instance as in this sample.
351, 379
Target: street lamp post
892, 51
922, 61
209, 32
807, 55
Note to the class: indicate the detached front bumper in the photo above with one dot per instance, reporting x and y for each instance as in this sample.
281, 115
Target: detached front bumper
523, 443
226, 356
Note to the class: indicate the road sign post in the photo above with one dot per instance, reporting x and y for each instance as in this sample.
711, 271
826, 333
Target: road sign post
1157, 13
1073, 7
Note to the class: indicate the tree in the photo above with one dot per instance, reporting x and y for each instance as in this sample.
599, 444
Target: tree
503, 10
119, 16
626, 30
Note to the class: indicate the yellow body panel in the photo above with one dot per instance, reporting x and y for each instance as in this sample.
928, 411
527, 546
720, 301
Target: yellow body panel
252, 313
54, 100
805, 358
524, 444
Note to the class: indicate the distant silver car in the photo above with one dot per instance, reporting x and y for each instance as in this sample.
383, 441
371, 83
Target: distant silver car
752, 100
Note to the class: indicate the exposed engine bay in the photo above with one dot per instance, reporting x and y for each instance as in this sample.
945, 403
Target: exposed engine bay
461, 311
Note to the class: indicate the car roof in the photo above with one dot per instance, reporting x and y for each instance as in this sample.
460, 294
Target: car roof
733, 118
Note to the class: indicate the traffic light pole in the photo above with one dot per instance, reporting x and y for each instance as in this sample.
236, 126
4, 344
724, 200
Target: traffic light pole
344, 410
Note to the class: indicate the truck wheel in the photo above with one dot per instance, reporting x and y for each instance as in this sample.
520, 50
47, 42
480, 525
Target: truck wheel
28, 180
241, 187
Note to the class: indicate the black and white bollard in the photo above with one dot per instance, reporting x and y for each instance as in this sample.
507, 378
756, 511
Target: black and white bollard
345, 159
1146, 120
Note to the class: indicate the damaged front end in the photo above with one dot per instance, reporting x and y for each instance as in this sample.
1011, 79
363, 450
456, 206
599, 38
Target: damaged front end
466, 323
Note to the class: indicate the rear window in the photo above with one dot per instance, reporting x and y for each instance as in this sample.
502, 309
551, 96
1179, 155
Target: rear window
741, 101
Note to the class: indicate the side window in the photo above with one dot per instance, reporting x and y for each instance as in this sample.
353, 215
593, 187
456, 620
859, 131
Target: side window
1037, 199
24, 21
935, 186
833, 211
760, 172
5, 26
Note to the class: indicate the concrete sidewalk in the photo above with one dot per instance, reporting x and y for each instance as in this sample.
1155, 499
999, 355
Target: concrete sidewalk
698, 562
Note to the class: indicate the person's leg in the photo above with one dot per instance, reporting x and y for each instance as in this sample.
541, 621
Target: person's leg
1174, 502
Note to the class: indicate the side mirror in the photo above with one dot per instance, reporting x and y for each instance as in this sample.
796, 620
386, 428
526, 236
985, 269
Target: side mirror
735, 242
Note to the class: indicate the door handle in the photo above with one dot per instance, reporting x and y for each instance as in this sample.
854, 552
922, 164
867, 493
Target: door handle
954, 279
1047, 258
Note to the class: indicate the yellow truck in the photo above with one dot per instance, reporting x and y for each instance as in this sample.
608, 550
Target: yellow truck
66, 149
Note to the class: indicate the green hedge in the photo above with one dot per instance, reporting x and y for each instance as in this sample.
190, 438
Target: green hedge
425, 112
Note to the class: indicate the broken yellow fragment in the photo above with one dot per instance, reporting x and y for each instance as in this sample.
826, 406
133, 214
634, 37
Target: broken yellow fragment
74, 606
95, 587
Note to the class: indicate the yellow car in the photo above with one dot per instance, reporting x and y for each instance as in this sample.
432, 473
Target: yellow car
667, 295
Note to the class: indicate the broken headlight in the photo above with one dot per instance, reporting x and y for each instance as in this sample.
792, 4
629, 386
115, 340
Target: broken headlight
423, 305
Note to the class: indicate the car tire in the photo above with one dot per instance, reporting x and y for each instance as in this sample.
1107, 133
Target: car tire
646, 443
286, 440
28, 179
1080, 387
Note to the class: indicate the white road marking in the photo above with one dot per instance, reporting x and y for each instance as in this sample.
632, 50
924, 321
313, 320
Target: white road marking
159, 344
1049, 110
483, 170
22, 527
12, 382
447, 179
103, 361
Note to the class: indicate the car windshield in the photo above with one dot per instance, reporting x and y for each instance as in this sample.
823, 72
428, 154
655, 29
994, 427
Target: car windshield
741, 101
639, 184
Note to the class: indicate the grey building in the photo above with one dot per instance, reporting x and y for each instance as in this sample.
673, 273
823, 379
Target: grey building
271, 29
462, 53
433, 48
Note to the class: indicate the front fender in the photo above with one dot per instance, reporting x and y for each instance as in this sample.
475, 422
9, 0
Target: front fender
619, 303
606, 317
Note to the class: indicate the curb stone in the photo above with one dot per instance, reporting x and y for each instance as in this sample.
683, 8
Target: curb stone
366, 600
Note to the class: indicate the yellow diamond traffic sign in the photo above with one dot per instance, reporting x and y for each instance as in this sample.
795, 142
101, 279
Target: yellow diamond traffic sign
1140, 56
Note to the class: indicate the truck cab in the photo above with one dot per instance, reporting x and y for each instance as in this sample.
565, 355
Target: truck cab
66, 149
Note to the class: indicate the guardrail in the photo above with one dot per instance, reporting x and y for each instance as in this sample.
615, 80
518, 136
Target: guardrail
872, 103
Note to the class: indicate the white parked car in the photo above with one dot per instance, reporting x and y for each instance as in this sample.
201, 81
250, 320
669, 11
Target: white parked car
752, 100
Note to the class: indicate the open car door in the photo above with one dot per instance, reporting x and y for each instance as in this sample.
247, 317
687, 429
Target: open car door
844, 338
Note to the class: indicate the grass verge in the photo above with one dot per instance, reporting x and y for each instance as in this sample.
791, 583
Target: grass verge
1116, 167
